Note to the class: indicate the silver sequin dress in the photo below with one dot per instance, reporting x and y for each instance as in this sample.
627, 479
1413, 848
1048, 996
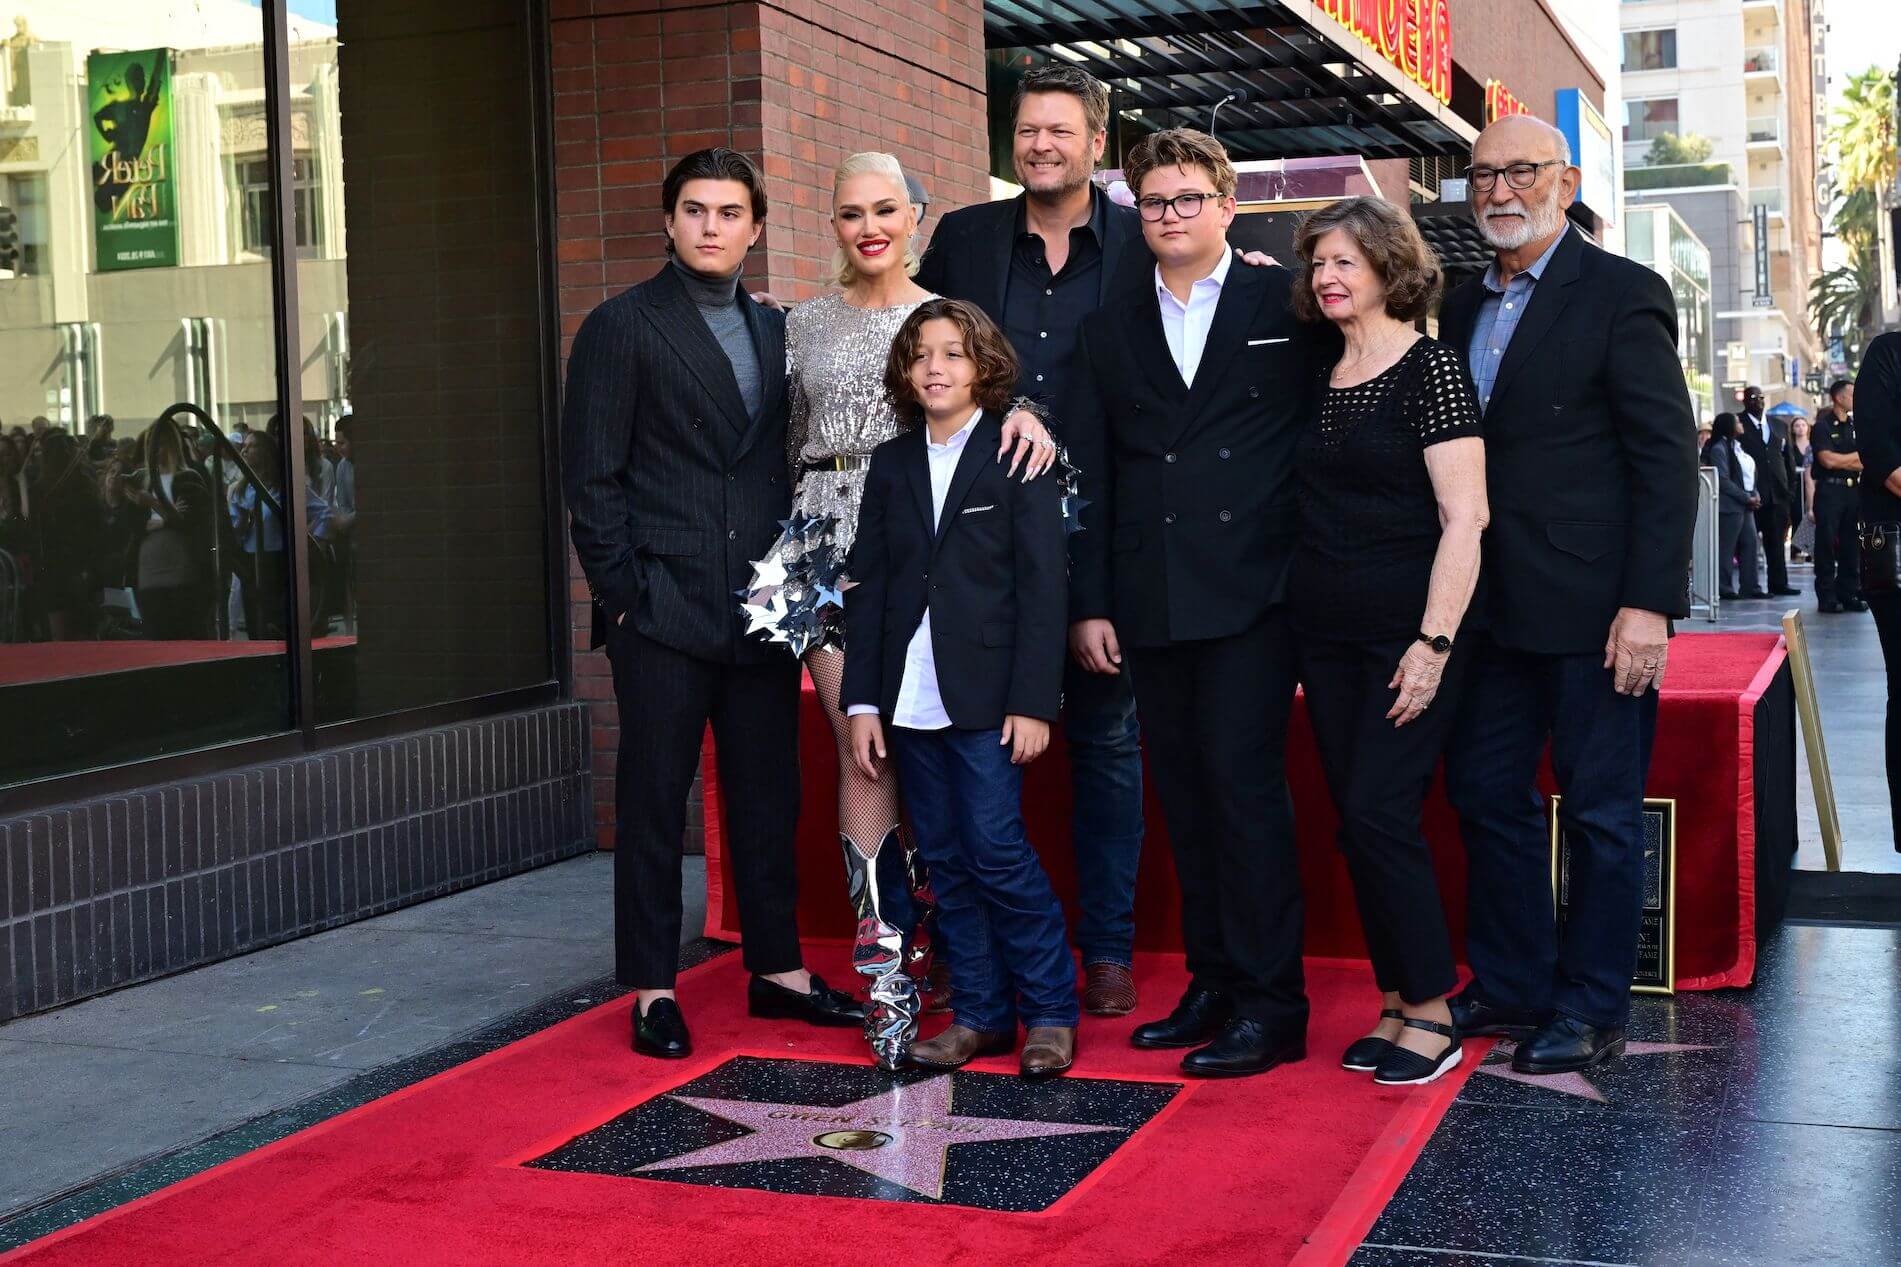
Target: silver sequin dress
835, 359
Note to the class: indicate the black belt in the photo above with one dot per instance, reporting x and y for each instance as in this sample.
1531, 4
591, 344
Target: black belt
1849, 481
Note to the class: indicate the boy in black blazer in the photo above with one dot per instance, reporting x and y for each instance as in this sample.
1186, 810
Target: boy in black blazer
954, 636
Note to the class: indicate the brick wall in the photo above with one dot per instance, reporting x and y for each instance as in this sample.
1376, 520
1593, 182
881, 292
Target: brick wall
798, 85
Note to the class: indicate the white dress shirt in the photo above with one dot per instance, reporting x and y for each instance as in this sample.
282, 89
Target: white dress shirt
1186, 325
1762, 426
1748, 464
920, 706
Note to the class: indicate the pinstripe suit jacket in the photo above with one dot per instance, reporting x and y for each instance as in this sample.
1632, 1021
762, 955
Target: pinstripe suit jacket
672, 488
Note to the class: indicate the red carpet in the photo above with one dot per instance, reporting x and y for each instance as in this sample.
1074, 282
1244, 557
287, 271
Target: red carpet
1706, 750
1248, 1171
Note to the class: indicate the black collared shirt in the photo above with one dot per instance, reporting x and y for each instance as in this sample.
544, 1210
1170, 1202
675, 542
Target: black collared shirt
1043, 312
1833, 434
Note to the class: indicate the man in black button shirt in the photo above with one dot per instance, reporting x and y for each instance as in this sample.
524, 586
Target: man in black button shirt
1038, 264
1837, 525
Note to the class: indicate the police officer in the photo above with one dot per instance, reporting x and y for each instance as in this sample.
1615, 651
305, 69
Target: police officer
1837, 474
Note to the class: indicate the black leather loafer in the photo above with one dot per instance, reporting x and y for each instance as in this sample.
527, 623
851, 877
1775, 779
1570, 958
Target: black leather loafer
1566, 1046
662, 1031
1196, 1019
1475, 1018
823, 1006
1244, 1047
1364, 1055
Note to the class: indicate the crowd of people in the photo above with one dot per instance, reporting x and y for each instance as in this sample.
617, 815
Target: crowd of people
1087, 444
170, 534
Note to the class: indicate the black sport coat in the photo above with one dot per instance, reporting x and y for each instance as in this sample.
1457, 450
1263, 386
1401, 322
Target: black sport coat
969, 253
1590, 453
1775, 461
1191, 523
672, 489
990, 571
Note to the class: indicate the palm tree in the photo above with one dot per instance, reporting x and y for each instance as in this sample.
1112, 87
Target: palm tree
1846, 301
1864, 131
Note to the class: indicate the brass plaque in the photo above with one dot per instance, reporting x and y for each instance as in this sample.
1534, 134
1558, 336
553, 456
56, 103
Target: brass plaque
1656, 929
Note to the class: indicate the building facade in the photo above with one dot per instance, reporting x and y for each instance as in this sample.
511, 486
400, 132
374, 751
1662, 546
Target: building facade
389, 694
1660, 239
1723, 117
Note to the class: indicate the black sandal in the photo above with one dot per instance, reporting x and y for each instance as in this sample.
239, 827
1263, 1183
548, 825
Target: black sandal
1365, 1055
1403, 1067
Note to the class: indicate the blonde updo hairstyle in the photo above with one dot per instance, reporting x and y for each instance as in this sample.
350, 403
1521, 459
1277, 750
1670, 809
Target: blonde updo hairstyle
873, 162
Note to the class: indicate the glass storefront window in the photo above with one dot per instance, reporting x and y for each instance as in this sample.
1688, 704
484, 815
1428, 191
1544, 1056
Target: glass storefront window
139, 613
145, 477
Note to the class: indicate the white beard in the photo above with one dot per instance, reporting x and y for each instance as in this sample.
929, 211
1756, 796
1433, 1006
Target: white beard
1508, 234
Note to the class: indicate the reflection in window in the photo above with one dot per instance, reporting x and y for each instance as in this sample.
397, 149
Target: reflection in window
136, 352
260, 214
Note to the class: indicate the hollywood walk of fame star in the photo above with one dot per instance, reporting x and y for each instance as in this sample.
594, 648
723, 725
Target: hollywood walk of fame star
903, 1136
1573, 1084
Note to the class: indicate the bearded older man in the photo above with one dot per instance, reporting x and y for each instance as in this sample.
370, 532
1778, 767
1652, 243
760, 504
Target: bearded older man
1591, 464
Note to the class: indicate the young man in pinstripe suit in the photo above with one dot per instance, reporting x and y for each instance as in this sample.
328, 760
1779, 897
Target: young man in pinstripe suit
673, 461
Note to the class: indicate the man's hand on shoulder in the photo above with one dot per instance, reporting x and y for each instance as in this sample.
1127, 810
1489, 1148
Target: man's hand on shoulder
1256, 258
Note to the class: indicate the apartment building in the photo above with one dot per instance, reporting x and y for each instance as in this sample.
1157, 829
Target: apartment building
1724, 104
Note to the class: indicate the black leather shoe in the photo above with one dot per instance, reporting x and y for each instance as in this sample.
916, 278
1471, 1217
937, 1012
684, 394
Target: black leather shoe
1244, 1047
1475, 1018
1854, 605
1754, 594
1828, 605
1196, 1019
1404, 1067
823, 1006
1727, 594
1567, 1045
1785, 591
662, 1031
1364, 1055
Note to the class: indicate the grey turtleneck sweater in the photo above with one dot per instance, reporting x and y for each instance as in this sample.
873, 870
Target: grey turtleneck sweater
718, 299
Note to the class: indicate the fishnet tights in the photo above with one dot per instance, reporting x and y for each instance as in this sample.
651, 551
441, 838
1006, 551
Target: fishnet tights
867, 811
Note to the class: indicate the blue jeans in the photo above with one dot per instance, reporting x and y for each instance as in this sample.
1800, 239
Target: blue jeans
1010, 957
1600, 753
1105, 769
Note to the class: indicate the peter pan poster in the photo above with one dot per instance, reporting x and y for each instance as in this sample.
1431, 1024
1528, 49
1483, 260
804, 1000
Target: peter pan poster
134, 195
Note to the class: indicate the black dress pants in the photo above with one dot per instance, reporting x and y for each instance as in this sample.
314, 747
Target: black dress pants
1214, 723
666, 700
1378, 776
1600, 741
1887, 609
1773, 523
1837, 541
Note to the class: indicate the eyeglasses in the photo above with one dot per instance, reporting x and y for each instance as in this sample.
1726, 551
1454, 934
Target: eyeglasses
1517, 175
1187, 206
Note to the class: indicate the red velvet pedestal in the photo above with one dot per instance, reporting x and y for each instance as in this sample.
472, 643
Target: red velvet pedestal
1706, 759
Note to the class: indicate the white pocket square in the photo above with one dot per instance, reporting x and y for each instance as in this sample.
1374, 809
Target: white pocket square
1255, 343
971, 510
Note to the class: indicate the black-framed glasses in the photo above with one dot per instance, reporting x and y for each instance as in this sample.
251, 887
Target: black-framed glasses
1187, 206
1517, 175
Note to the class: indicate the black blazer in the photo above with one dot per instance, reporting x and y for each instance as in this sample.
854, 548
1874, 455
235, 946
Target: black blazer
1190, 523
1590, 453
1775, 461
672, 489
992, 574
969, 254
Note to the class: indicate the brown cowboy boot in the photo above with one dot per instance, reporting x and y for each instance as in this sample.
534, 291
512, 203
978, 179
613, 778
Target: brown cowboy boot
958, 1046
1108, 990
1048, 1050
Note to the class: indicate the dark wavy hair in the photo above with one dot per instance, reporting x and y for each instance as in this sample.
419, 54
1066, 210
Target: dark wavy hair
718, 163
1393, 248
995, 359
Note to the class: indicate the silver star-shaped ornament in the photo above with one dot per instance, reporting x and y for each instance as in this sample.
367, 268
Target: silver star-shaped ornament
767, 572
1571, 1084
758, 616
1073, 512
827, 595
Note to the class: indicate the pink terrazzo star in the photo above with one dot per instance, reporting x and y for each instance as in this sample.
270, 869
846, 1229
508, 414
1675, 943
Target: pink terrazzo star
1572, 1083
903, 1135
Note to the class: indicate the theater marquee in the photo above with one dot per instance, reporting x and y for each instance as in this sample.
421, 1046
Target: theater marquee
1414, 35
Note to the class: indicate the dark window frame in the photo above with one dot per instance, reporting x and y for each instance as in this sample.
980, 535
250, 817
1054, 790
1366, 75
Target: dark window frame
305, 735
1661, 40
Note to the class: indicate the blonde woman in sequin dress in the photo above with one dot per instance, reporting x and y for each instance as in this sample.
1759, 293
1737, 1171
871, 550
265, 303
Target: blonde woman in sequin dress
836, 347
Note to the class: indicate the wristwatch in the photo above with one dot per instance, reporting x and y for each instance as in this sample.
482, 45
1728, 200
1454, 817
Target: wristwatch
1438, 642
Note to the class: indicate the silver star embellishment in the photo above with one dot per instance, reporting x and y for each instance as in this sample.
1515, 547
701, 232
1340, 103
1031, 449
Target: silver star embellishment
1573, 1084
767, 573
902, 1136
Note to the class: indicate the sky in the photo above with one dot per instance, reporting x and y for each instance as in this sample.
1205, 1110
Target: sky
1861, 33
324, 11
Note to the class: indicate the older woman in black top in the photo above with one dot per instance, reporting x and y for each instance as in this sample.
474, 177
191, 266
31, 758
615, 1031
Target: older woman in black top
1392, 504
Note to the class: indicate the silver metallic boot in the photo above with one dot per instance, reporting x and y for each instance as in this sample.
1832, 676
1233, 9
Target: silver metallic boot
878, 953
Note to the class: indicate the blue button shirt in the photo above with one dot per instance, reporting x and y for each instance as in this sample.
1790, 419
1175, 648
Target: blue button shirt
1498, 318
